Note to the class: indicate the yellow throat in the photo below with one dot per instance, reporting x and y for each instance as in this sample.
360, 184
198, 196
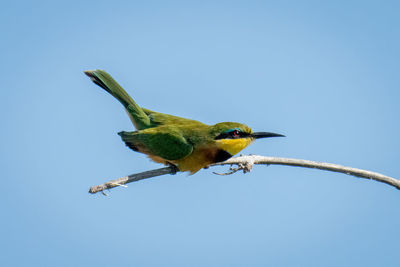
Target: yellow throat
233, 146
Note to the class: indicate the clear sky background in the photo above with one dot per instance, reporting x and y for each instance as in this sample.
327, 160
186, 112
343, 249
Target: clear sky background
326, 74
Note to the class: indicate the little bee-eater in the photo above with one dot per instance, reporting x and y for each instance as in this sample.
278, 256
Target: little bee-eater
187, 144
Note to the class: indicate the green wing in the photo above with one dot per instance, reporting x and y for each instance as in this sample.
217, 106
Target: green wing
163, 141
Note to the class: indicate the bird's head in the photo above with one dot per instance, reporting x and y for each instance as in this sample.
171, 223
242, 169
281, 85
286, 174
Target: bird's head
233, 137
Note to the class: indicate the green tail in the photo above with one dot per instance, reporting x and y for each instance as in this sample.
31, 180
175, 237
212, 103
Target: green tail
105, 81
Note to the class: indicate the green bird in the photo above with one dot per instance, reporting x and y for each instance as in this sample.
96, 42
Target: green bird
187, 144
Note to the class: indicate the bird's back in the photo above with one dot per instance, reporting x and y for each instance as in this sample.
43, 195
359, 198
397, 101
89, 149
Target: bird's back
158, 119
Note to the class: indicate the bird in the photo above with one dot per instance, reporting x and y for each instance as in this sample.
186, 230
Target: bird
185, 144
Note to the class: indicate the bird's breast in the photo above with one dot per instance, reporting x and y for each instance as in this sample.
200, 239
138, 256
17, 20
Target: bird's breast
201, 157
210, 153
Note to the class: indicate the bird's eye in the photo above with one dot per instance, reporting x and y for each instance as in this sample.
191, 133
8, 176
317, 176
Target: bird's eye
231, 134
235, 133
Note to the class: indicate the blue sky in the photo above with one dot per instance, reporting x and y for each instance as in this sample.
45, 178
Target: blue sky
324, 74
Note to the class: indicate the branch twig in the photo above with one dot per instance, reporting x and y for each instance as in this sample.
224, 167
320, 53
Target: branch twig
246, 163
132, 178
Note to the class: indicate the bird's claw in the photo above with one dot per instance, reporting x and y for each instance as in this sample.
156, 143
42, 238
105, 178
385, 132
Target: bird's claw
174, 168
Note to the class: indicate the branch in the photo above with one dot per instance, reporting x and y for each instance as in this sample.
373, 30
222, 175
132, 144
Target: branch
245, 163
132, 178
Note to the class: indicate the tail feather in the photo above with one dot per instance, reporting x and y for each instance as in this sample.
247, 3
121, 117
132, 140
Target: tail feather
138, 117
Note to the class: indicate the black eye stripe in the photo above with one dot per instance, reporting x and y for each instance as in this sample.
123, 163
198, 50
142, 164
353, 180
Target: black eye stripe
232, 135
222, 136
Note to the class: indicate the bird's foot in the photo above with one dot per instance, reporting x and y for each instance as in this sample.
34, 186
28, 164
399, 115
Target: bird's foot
174, 168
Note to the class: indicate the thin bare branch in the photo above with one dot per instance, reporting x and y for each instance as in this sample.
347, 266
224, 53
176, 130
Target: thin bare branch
254, 159
131, 178
246, 163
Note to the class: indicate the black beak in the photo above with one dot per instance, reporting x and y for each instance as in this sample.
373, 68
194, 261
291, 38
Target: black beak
265, 134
